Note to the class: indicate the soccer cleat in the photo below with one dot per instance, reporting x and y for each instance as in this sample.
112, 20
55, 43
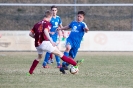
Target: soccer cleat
62, 70
59, 66
28, 74
79, 62
65, 67
45, 66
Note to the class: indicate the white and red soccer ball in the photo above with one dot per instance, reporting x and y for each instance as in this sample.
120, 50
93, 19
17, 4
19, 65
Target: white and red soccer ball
73, 70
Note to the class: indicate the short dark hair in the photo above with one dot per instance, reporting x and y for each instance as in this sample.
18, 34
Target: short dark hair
81, 12
53, 7
48, 13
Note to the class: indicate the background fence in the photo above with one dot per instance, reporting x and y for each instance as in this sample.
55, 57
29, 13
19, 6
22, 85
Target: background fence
99, 17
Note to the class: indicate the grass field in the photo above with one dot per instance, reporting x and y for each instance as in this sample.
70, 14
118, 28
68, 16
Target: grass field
99, 70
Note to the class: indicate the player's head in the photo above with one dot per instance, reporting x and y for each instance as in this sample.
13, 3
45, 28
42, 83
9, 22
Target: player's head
54, 10
80, 16
48, 15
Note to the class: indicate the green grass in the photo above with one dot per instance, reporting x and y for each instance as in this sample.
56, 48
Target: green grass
99, 70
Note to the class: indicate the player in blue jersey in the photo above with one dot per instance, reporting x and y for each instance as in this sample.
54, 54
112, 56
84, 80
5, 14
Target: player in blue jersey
55, 22
78, 28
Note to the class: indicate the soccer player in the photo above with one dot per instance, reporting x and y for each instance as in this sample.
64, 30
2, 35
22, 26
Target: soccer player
78, 28
43, 42
55, 22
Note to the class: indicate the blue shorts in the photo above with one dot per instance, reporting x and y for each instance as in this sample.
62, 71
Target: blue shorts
74, 47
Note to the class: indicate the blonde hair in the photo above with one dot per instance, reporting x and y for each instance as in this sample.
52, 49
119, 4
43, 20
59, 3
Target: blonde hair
48, 13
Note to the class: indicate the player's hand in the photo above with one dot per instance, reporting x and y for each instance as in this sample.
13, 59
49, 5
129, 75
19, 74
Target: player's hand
86, 30
58, 29
53, 43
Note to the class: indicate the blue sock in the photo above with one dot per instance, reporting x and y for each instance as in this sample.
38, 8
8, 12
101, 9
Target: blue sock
66, 54
67, 64
57, 60
46, 59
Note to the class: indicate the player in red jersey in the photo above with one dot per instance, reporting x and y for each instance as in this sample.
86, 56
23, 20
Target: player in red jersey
43, 42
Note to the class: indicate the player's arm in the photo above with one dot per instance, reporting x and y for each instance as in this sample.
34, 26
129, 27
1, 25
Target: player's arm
46, 32
60, 26
60, 32
64, 28
86, 29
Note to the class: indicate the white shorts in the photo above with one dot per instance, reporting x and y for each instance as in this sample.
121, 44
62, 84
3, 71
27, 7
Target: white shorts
45, 46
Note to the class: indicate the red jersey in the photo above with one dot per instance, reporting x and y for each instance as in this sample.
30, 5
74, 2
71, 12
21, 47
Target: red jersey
38, 31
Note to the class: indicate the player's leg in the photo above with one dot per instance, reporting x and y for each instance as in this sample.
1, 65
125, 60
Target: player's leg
57, 57
68, 48
63, 57
36, 61
72, 54
48, 58
57, 61
47, 55
49, 48
51, 58
65, 67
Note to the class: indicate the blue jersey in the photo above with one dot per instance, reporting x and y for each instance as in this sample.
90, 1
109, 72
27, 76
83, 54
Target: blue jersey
55, 22
77, 32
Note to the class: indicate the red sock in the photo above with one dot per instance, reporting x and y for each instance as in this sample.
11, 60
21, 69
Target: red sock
69, 60
33, 66
51, 56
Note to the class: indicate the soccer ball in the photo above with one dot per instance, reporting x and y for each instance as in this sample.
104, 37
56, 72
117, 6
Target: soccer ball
73, 70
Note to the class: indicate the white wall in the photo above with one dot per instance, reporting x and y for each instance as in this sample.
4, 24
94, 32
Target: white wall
92, 41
